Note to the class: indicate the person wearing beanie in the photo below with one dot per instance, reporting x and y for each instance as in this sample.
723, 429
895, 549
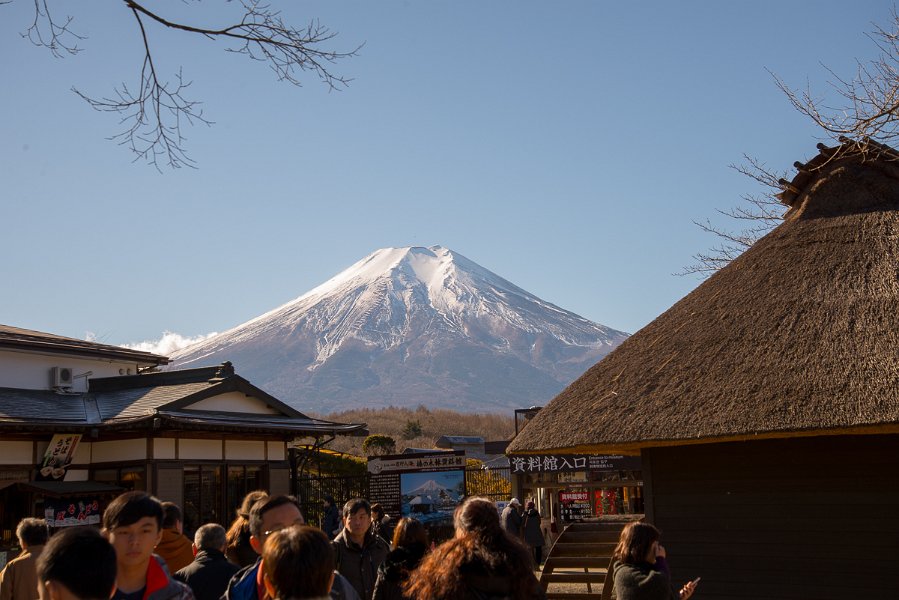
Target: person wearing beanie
511, 518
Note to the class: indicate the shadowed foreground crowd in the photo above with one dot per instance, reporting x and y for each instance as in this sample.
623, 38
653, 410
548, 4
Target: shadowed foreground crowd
269, 553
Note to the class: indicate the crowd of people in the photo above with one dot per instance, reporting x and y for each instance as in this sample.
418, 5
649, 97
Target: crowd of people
271, 553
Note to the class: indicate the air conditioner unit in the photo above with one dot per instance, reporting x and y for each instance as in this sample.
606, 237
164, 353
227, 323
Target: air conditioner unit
62, 377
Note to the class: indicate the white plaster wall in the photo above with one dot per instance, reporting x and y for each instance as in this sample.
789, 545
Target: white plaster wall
119, 450
31, 370
82, 454
16, 453
76, 475
234, 402
199, 449
244, 450
164, 448
41, 447
277, 450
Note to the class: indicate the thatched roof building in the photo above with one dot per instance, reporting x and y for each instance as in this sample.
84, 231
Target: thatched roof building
799, 336
765, 404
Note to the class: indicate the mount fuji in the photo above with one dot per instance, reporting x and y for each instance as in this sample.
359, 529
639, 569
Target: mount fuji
410, 326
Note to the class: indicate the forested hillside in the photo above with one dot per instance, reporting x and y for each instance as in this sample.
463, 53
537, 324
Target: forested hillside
420, 427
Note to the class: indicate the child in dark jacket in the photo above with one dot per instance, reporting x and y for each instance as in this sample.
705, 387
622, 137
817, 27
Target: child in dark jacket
410, 542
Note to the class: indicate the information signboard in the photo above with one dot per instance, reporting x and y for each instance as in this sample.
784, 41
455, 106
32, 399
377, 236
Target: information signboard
427, 486
559, 463
574, 505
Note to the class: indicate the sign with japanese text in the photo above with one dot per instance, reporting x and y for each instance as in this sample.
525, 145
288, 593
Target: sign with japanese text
557, 463
426, 486
572, 477
58, 457
63, 512
574, 505
398, 463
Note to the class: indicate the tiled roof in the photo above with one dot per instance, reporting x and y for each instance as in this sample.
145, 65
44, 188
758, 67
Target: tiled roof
460, 439
18, 338
124, 404
22, 406
136, 401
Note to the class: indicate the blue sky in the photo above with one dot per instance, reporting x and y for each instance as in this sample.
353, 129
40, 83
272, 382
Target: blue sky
566, 146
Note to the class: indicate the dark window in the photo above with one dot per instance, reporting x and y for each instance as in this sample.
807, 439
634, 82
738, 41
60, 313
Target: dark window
241, 480
202, 496
212, 493
130, 478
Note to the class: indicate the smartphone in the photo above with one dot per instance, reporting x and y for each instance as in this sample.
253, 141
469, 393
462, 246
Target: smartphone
696, 581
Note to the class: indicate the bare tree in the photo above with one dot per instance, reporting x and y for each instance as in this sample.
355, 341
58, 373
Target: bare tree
154, 110
869, 110
870, 100
762, 212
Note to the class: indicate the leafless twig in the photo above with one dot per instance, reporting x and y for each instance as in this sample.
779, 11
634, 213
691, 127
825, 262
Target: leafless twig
870, 107
45, 31
867, 108
764, 211
154, 110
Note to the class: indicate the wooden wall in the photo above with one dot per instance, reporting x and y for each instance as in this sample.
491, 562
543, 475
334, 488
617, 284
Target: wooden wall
799, 518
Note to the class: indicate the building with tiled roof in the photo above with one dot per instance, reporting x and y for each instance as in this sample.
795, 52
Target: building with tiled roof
80, 422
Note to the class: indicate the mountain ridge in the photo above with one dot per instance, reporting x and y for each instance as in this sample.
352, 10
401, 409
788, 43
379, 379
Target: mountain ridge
408, 326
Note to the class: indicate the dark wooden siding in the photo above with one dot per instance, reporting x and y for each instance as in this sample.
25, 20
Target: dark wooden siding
170, 483
279, 480
803, 518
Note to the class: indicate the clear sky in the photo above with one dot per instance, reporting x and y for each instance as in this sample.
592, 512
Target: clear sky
566, 146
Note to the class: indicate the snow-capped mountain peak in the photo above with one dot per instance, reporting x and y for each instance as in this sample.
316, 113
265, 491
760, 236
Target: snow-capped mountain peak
409, 303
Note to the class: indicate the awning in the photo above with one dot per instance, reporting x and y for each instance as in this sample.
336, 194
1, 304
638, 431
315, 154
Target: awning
9, 482
69, 488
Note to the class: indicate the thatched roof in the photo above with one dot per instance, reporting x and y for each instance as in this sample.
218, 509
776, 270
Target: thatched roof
798, 336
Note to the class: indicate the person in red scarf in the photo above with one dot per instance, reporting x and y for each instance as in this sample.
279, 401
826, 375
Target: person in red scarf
133, 524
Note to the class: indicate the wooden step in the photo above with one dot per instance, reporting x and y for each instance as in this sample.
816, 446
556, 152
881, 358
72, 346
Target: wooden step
609, 537
570, 577
582, 549
574, 562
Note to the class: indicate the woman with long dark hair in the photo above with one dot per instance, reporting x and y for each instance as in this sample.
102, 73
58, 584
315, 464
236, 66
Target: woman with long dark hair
410, 542
481, 562
237, 540
639, 567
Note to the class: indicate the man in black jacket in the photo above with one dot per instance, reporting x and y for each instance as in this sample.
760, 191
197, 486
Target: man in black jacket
358, 551
208, 575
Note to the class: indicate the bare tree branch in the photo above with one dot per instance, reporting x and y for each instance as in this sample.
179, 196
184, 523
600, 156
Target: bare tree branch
154, 110
153, 115
46, 32
867, 108
870, 107
764, 211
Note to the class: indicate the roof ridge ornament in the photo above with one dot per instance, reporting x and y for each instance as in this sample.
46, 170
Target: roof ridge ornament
806, 173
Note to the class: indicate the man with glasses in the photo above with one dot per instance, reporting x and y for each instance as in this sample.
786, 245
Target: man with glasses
266, 517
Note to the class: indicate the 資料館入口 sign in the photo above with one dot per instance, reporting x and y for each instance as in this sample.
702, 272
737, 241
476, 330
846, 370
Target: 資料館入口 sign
560, 463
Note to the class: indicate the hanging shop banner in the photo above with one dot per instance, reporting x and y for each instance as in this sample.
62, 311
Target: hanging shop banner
425, 486
558, 463
58, 457
68, 512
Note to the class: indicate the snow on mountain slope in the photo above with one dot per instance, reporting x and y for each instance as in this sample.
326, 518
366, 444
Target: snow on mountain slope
410, 326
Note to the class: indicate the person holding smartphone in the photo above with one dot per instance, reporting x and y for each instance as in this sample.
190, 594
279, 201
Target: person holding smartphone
639, 569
